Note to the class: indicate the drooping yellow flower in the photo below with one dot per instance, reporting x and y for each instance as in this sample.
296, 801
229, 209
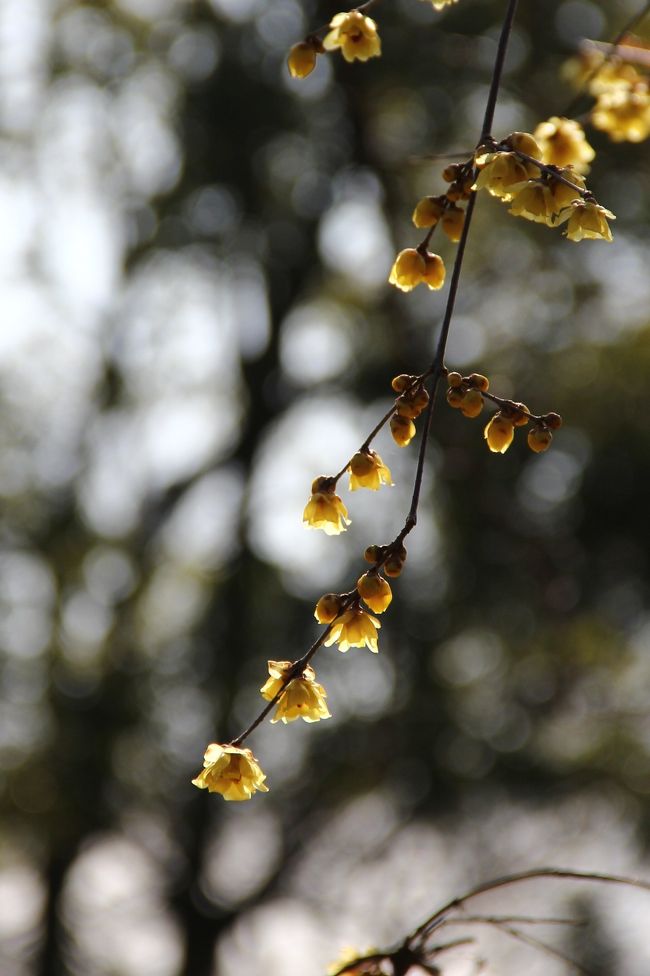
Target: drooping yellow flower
375, 591
233, 772
533, 203
453, 221
412, 268
367, 470
588, 220
301, 60
303, 697
355, 35
402, 429
502, 175
624, 113
561, 195
499, 433
355, 628
325, 510
428, 212
563, 143
407, 270
525, 142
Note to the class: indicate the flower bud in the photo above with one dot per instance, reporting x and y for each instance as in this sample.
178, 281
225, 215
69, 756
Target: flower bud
454, 379
455, 397
539, 439
472, 404
402, 429
402, 382
373, 554
302, 59
328, 608
393, 566
428, 212
374, 591
552, 420
499, 433
479, 382
452, 223
519, 414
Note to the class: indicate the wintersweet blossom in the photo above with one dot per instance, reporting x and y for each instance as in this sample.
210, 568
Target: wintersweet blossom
502, 174
588, 220
301, 60
375, 591
356, 36
563, 143
367, 470
412, 268
303, 697
624, 113
325, 510
499, 433
354, 628
231, 771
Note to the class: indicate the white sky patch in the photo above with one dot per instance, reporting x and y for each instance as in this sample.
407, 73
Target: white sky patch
354, 242
315, 342
314, 437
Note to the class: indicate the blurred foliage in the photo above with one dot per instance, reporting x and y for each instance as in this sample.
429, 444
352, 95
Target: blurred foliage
162, 420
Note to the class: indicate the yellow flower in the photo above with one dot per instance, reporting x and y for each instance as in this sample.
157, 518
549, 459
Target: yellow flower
563, 143
561, 195
325, 510
367, 470
499, 433
302, 698
233, 772
355, 34
302, 59
428, 212
452, 223
375, 591
533, 202
441, 4
328, 608
402, 429
411, 268
588, 220
624, 113
502, 174
355, 628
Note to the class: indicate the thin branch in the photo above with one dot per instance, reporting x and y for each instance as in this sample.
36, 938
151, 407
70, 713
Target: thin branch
439, 917
510, 919
542, 946
497, 71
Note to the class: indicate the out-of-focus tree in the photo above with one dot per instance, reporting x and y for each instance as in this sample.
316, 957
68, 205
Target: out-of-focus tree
196, 322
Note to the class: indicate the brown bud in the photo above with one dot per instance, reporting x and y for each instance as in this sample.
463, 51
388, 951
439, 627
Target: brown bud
552, 420
479, 382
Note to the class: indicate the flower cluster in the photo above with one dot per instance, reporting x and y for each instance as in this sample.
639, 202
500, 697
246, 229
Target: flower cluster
415, 266
468, 393
621, 90
522, 172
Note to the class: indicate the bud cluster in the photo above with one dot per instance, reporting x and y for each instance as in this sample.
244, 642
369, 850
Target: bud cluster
468, 394
412, 401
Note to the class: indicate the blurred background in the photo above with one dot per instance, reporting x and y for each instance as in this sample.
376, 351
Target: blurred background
195, 323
